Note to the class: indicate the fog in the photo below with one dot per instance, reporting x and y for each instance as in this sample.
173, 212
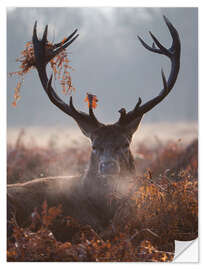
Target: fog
108, 60
150, 134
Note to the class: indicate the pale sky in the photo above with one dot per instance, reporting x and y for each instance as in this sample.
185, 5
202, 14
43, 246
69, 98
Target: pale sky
109, 61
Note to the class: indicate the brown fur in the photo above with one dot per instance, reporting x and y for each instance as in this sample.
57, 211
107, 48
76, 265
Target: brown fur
66, 191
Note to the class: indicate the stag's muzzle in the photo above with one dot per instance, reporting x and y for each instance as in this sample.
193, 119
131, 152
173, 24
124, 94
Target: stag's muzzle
109, 168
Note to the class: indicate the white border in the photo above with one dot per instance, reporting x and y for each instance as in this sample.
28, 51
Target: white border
100, 3
3, 92
75, 3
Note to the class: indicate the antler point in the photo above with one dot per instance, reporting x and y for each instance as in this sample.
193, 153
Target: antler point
122, 111
164, 79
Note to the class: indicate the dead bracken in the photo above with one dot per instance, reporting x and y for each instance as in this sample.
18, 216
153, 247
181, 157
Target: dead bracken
161, 205
59, 65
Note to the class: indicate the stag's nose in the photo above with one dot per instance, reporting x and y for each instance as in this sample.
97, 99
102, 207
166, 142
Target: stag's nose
108, 168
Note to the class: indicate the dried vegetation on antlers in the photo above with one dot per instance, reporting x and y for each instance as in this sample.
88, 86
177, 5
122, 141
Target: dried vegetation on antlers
59, 65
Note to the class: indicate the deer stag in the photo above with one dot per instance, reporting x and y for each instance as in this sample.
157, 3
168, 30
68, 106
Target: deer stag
86, 198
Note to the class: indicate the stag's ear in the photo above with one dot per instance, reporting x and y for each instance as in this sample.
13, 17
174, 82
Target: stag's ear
133, 125
87, 128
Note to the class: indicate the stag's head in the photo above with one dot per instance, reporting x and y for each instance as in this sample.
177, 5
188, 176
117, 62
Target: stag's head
111, 153
110, 143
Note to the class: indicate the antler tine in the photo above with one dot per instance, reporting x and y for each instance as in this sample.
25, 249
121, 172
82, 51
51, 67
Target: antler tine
91, 114
59, 46
34, 36
126, 117
83, 116
41, 59
163, 50
174, 55
44, 38
164, 80
152, 49
174, 34
122, 118
64, 44
67, 39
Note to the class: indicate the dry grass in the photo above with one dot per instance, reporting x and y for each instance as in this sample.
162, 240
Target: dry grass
156, 209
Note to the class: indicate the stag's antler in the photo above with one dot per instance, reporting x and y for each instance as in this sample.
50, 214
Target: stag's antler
88, 123
42, 57
174, 55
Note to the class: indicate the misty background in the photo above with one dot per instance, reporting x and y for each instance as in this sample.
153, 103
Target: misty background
109, 61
